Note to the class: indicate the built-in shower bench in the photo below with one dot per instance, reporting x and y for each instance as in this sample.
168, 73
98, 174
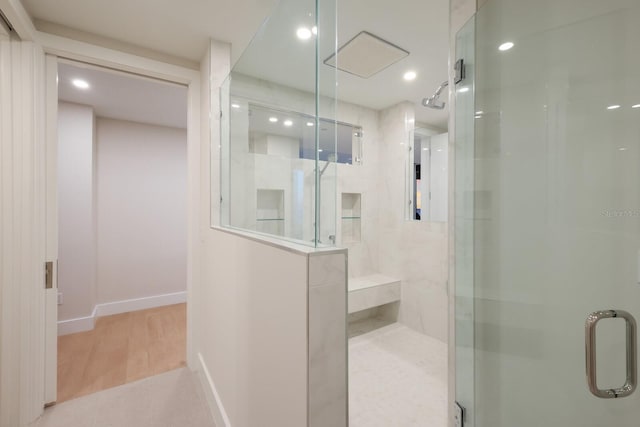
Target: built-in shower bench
372, 291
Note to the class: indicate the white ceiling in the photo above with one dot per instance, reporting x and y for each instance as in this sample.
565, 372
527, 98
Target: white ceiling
183, 28
180, 28
123, 96
419, 26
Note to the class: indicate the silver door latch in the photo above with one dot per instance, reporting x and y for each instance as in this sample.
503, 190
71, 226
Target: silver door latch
458, 417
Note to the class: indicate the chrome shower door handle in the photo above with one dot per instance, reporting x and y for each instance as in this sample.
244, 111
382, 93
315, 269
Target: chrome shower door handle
590, 347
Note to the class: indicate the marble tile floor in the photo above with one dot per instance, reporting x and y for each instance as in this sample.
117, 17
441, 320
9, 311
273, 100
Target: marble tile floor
172, 399
397, 378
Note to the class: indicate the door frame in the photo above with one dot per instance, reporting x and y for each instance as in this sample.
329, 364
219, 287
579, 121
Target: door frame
60, 47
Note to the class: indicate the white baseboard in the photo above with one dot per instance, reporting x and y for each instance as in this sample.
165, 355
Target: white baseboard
136, 304
211, 393
79, 324
82, 324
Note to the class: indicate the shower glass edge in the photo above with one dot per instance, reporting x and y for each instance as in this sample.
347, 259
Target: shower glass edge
463, 266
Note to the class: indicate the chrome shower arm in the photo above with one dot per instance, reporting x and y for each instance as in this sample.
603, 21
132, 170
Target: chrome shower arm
441, 87
432, 101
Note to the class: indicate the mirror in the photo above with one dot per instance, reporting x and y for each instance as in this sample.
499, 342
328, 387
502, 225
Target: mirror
428, 175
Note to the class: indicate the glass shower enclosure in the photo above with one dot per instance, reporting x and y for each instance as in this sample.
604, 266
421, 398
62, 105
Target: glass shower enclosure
547, 214
279, 133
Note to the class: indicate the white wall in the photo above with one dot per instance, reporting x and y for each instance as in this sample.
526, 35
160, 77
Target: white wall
142, 210
255, 330
76, 222
123, 215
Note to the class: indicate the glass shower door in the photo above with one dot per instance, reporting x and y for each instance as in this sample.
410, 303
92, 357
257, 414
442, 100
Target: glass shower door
548, 214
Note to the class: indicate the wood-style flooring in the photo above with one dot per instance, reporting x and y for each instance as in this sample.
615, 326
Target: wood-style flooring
121, 348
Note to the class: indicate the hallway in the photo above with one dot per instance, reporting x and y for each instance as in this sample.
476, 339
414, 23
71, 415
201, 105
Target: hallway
172, 399
122, 348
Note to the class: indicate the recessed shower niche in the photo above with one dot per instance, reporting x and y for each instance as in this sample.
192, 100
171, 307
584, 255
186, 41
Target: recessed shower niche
351, 218
270, 211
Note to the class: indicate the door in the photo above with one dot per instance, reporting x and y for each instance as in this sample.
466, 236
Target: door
22, 226
547, 214
51, 292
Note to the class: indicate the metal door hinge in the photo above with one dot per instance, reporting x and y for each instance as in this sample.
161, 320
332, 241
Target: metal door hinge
459, 71
458, 417
48, 275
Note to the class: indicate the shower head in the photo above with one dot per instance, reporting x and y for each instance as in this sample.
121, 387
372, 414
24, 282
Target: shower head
432, 101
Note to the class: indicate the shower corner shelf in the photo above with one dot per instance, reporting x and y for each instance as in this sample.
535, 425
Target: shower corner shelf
270, 211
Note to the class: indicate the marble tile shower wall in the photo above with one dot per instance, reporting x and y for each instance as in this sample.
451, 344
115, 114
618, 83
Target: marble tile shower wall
414, 252
362, 179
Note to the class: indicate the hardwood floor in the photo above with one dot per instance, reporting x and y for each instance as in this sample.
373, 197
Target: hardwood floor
122, 348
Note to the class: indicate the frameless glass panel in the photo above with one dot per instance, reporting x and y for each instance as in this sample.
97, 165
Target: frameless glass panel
556, 196
279, 135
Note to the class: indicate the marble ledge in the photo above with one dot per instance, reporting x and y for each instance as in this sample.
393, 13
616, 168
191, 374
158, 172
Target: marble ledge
282, 244
327, 270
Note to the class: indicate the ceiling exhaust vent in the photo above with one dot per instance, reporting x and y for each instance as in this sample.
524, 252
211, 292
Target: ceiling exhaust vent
366, 55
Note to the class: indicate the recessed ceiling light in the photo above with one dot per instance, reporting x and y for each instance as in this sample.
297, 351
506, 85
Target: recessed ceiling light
80, 84
309, 124
273, 119
320, 150
304, 33
505, 46
425, 149
613, 107
463, 89
478, 117
635, 106
288, 123
235, 105
439, 149
479, 112
622, 149
314, 30
410, 75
